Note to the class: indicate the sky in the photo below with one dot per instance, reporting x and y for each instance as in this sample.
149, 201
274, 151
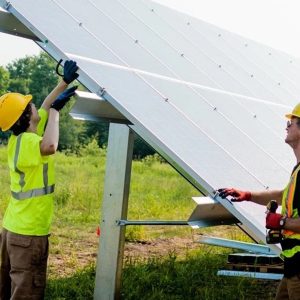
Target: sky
275, 23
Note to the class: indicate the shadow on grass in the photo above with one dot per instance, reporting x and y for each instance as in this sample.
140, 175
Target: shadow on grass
168, 278
80, 286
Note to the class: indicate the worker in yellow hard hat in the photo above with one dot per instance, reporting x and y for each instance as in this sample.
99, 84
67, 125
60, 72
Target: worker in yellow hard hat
287, 223
27, 219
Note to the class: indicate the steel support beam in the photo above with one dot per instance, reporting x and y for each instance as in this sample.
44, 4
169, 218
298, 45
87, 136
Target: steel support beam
115, 205
11, 25
91, 107
152, 222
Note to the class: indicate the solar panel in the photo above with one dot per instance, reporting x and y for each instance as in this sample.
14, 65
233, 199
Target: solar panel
211, 102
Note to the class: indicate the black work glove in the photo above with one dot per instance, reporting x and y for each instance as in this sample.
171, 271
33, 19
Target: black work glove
70, 68
63, 98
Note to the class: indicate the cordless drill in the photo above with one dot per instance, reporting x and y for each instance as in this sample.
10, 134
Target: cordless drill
273, 236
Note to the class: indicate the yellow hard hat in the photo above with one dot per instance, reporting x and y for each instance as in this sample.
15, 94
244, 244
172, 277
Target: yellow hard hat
295, 112
12, 105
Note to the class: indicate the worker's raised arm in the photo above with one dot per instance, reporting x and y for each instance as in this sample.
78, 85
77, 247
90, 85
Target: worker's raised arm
70, 69
262, 197
53, 95
50, 139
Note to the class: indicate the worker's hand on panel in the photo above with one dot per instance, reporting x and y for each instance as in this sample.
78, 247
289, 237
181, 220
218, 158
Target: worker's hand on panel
63, 98
237, 195
274, 221
70, 69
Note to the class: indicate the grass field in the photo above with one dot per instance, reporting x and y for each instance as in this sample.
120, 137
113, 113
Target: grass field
159, 262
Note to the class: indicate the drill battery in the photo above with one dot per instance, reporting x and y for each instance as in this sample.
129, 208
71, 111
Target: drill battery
273, 236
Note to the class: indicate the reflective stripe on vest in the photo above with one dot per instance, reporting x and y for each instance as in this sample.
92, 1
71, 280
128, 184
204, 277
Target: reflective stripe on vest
34, 192
22, 175
290, 252
287, 210
287, 204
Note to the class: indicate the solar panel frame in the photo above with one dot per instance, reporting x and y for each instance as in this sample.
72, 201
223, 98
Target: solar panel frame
61, 41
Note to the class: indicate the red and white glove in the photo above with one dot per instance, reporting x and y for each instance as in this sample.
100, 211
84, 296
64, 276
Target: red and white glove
274, 221
237, 195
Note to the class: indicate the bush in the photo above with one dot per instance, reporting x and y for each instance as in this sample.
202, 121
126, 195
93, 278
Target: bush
92, 149
149, 160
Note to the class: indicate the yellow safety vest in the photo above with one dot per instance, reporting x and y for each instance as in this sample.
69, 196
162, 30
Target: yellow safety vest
30, 208
289, 211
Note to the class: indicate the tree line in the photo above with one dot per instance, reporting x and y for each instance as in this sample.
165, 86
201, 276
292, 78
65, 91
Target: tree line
36, 75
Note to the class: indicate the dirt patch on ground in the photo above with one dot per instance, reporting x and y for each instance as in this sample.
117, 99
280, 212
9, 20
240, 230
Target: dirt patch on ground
71, 253
79, 255
159, 247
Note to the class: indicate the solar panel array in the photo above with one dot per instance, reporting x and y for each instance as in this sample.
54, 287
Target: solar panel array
211, 102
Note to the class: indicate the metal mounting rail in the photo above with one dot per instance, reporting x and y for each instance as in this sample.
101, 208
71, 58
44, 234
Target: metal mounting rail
127, 222
250, 247
257, 275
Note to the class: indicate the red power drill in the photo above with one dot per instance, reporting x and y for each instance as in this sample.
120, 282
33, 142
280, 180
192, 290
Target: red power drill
273, 236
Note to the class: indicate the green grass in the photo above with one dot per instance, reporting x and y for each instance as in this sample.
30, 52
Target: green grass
191, 278
78, 286
160, 278
156, 192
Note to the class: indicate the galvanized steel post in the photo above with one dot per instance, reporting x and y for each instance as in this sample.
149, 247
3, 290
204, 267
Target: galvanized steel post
115, 204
